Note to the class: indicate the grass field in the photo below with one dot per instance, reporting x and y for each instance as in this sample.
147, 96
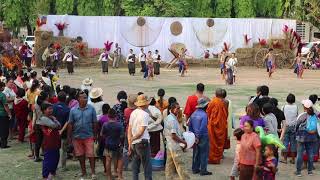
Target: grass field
14, 164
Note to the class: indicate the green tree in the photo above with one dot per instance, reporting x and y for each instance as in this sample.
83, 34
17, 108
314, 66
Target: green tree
112, 8
201, 8
223, 8
173, 8
64, 6
24, 14
269, 8
244, 8
89, 8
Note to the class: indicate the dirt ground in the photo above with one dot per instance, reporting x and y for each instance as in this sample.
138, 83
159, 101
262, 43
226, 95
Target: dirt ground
14, 164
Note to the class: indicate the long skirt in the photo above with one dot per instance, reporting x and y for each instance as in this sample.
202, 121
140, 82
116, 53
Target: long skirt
156, 67
55, 64
229, 76
143, 66
104, 65
50, 162
70, 67
4, 131
154, 142
132, 68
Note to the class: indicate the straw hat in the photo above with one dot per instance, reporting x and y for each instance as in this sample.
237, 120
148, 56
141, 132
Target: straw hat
142, 100
87, 82
131, 100
95, 93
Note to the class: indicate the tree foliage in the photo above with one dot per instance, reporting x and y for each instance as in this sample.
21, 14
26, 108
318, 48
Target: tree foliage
17, 13
64, 6
245, 8
223, 8
271, 8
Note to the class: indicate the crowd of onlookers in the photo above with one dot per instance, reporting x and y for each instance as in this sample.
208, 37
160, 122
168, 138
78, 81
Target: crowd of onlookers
64, 122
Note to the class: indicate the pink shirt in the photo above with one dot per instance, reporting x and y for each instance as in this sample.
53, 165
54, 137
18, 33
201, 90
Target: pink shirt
248, 145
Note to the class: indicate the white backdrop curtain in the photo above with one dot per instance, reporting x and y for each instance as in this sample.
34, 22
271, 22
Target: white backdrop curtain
156, 33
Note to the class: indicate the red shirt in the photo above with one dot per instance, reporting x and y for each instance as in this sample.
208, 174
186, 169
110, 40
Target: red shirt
51, 138
127, 113
21, 109
53, 100
191, 104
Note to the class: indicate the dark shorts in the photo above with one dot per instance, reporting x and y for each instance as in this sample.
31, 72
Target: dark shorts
113, 154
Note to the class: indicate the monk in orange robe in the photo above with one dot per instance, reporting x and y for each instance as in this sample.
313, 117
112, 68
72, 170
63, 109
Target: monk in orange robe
217, 127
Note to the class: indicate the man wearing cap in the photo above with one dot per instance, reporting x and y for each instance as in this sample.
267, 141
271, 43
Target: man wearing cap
82, 126
138, 139
306, 136
175, 145
198, 125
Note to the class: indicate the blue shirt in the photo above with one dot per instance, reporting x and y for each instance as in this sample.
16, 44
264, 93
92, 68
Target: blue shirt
113, 133
61, 111
198, 123
82, 121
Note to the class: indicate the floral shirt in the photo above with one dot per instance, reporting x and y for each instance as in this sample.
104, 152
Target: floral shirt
120, 113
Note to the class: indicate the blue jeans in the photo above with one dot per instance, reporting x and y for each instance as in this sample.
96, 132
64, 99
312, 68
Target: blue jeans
302, 147
290, 138
181, 67
145, 73
141, 154
200, 155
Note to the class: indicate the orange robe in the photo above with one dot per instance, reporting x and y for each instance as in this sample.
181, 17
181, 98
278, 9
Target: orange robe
217, 129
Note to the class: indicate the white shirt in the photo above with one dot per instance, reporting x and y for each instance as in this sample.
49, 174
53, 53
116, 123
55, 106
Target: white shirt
46, 80
155, 58
128, 58
139, 118
9, 94
104, 57
231, 62
29, 53
155, 125
171, 126
290, 113
98, 107
271, 123
142, 57
68, 57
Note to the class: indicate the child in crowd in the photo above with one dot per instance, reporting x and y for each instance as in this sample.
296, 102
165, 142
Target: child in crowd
102, 120
51, 141
32, 136
113, 134
270, 119
237, 133
288, 134
20, 107
270, 163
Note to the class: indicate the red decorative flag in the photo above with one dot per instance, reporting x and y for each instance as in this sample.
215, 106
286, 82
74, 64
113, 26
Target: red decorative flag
262, 42
246, 39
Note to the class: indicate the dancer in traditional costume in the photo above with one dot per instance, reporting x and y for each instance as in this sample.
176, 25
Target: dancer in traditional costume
299, 66
131, 60
230, 67
150, 67
56, 58
270, 62
104, 58
117, 56
182, 62
156, 62
217, 127
69, 57
142, 60
222, 64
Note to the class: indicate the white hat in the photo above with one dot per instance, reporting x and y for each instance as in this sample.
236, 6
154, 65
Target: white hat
95, 93
87, 81
307, 103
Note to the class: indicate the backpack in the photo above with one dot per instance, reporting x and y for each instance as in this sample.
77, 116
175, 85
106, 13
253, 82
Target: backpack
311, 125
